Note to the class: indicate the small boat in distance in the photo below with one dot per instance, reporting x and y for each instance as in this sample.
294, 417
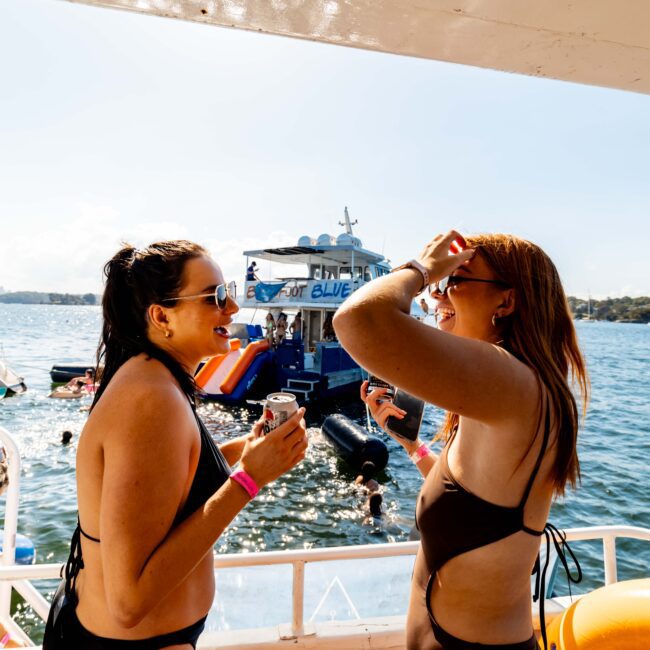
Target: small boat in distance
62, 373
10, 382
308, 362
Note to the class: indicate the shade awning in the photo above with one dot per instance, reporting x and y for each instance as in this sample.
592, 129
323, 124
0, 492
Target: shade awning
597, 42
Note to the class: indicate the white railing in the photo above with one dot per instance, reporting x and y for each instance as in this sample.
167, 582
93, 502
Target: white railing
19, 577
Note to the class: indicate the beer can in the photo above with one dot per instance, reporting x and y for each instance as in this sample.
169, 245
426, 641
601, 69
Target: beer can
278, 409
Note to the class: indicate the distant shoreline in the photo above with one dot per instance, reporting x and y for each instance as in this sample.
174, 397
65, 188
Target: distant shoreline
615, 310
49, 298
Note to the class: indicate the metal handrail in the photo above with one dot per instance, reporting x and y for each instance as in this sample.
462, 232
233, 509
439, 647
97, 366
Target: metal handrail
299, 558
11, 516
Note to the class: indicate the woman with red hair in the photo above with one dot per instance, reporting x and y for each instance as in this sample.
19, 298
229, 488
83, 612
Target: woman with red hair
499, 364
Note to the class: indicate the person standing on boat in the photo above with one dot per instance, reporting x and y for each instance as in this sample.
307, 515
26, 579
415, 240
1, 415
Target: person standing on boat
154, 491
499, 364
251, 275
328, 328
296, 327
269, 326
280, 329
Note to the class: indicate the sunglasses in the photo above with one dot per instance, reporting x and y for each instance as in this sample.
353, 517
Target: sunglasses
220, 295
452, 281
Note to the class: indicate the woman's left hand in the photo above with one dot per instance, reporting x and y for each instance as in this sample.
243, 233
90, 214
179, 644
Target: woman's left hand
436, 257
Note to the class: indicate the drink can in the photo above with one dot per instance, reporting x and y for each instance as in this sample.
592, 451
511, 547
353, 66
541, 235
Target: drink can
278, 409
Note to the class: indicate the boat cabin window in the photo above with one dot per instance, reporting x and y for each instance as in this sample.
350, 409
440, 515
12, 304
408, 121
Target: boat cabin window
315, 271
367, 276
350, 274
330, 272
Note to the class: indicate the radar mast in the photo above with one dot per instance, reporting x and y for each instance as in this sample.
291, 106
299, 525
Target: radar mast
347, 223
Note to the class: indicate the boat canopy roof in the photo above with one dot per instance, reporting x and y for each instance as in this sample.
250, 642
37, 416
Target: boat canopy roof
598, 42
340, 255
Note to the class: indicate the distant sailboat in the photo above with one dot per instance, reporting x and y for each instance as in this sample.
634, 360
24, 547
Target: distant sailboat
589, 319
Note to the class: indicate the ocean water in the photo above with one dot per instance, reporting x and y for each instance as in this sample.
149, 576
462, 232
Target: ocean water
315, 504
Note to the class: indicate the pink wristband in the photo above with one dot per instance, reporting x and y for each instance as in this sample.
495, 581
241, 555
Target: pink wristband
421, 452
246, 481
4, 640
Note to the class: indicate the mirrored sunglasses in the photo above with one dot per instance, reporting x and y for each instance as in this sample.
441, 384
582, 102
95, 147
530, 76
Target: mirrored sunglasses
220, 294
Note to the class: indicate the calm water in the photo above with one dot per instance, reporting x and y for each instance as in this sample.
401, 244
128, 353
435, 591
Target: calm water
315, 505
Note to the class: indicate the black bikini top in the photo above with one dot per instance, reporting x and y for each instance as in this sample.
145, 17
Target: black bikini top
212, 472
453, 520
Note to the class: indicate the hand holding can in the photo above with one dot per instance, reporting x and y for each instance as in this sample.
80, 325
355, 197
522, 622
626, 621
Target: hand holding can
273, 453
279, 407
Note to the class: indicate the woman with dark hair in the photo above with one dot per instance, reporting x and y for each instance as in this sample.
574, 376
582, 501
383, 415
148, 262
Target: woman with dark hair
154, 491
499, 364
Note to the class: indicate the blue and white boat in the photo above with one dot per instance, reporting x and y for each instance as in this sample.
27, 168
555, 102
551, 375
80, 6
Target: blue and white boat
309, 362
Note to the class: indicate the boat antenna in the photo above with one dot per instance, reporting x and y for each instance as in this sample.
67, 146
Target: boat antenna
348, 225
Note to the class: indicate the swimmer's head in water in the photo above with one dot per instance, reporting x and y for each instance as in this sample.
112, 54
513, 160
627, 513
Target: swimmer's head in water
374, 503
368, 470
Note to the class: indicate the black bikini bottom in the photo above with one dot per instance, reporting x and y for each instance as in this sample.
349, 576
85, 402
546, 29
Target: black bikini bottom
64, 631
450, 642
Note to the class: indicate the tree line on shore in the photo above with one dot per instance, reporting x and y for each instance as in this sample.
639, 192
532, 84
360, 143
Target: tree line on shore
42, 298
622, 310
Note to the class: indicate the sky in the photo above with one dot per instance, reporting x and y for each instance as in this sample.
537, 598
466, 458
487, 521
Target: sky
123, 127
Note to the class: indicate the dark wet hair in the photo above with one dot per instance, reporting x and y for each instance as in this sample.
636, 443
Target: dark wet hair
136, 279
374, 504
368, 470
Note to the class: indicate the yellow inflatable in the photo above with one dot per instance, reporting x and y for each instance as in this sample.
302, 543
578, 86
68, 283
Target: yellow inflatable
616, 617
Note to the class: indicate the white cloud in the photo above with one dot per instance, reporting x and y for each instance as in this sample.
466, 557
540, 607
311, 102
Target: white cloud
68, 256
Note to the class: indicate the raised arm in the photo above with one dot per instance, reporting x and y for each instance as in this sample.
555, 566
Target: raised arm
473, 378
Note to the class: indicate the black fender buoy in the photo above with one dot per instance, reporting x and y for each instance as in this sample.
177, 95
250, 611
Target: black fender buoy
353, 443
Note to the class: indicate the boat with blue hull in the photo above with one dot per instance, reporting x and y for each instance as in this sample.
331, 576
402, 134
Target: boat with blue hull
308, 361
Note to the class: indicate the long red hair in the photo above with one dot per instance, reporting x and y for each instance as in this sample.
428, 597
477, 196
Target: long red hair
540, 333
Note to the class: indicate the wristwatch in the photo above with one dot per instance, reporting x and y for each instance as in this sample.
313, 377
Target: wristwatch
414, 264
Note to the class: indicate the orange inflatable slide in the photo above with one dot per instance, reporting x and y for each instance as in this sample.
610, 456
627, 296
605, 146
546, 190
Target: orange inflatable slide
242, 364
212, 373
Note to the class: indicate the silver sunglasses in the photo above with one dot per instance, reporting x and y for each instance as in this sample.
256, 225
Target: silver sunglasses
220, 295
